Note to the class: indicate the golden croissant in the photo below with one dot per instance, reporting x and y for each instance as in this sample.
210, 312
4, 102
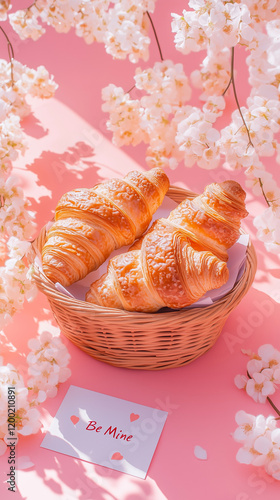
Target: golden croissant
91, 223
180, 258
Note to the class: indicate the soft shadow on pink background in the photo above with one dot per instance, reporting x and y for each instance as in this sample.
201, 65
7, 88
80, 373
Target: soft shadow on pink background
69, 147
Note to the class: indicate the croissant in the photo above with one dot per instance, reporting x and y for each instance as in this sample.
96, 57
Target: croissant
180, 258
212, 220
91, 223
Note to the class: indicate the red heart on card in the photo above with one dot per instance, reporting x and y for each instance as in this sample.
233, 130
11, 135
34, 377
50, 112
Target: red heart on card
133, 417
74, 419
116, 456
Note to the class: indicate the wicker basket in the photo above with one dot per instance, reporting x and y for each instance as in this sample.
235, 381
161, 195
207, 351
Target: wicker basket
144, 341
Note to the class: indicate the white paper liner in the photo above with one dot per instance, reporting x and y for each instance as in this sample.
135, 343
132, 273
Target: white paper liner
235, 264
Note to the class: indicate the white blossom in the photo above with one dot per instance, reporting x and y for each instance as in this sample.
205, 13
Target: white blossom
154, 118
197, 138
47, 362
261, 442
126, 31
214, 23
26, 416
263, 370
121, 25
267, 224
259, 387
26, 25
5, 6
214, 74
260, 11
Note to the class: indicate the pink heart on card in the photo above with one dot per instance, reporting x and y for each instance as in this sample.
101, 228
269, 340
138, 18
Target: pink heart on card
133, 417
74, 419
116, 456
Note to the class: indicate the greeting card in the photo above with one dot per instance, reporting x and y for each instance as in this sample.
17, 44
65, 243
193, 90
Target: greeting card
105, 430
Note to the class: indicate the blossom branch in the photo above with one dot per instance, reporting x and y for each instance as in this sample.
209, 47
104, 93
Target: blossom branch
273, 405
131, 88
155, 33
34, 4
264, 195
232, 82
10, 53
158, 44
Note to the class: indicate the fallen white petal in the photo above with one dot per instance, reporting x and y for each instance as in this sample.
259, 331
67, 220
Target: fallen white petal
24, 462
200, 453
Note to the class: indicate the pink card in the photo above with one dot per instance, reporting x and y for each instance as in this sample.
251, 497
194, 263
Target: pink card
105, 430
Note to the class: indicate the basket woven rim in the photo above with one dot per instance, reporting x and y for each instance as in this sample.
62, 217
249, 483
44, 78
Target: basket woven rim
177, 194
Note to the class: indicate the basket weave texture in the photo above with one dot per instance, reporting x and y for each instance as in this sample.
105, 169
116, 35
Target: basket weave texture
147, 341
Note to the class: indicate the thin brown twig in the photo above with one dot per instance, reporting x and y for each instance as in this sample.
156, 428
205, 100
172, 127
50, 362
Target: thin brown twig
273, 405
250, 143
227, 87
155, 33
34, 4
158, 44
264, 195
232, 81
133, 87
10, 53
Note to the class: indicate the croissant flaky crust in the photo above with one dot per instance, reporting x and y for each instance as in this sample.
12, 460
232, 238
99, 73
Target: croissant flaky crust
91, 223
180, 258
212, 220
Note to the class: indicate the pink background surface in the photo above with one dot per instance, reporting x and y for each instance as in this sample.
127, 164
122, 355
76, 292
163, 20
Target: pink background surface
67, 150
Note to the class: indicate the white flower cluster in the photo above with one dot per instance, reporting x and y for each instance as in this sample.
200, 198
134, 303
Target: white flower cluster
266, 10
214, 74
16, 284
197, 138
25, 23
263, 371
48, 362
16, 220
154, 117
26, 416
213, 23
260, 437
268, 225
176, 131
122, 25
262, 118
218, 26
17, 81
